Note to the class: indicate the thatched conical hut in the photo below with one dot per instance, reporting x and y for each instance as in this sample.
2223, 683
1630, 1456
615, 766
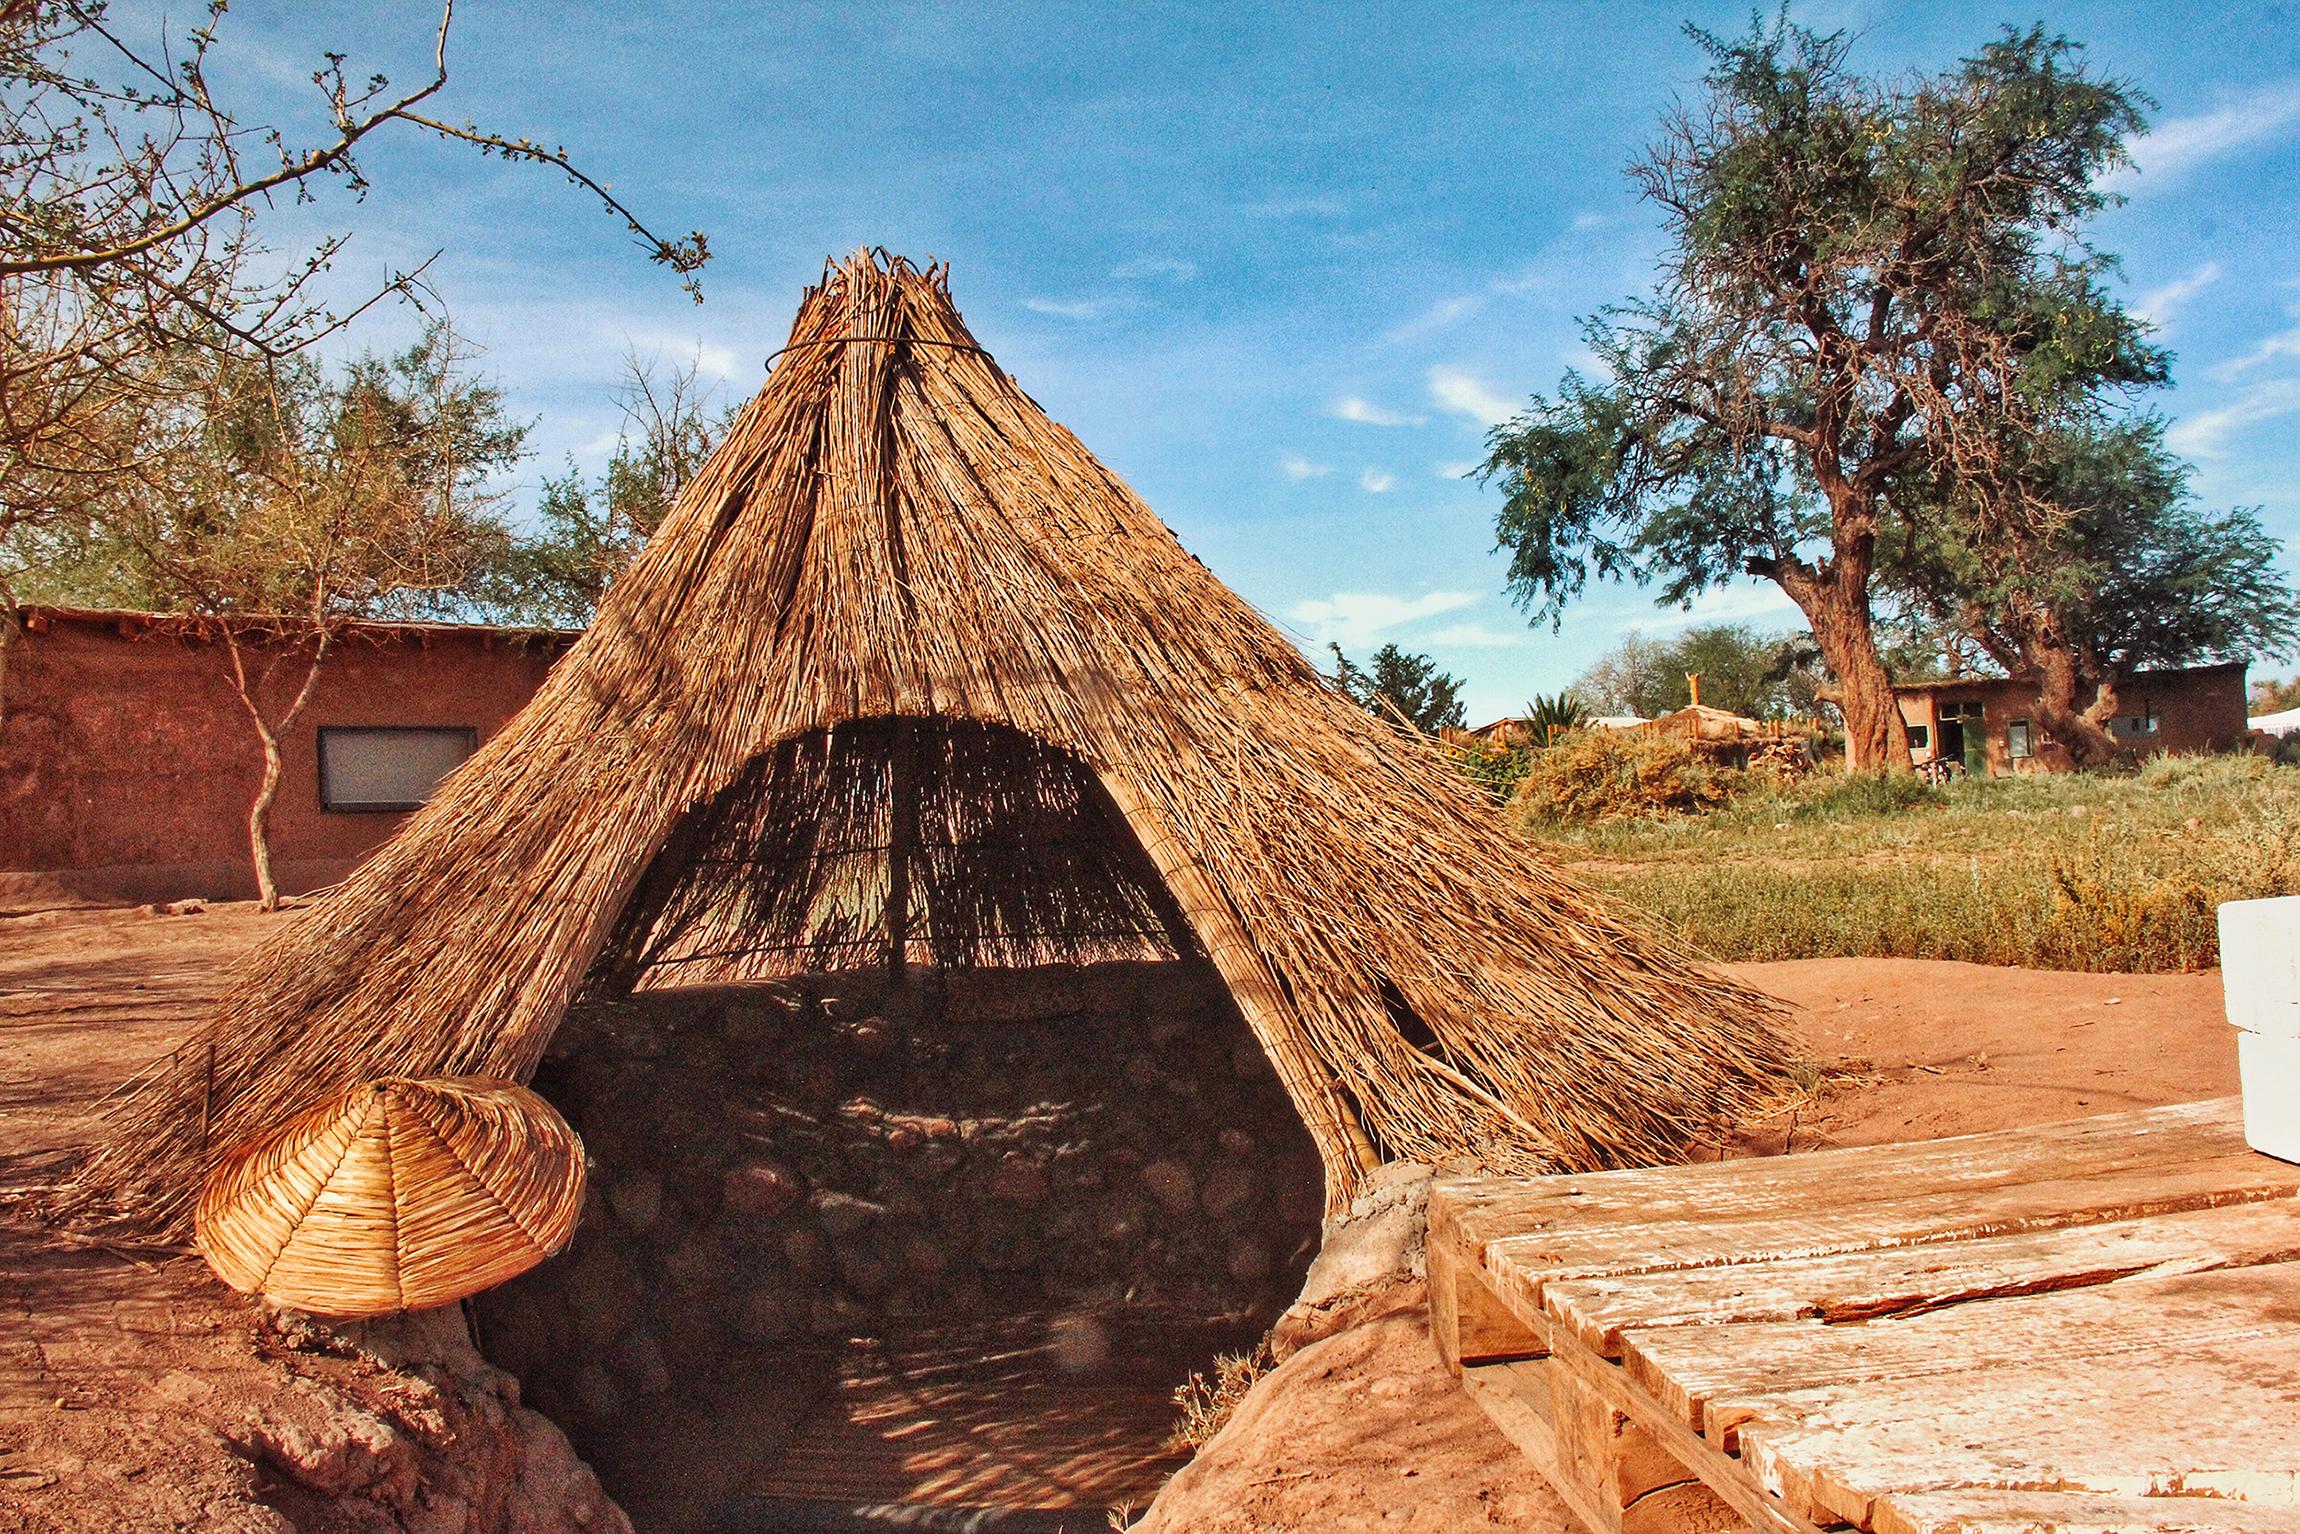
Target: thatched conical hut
907, 676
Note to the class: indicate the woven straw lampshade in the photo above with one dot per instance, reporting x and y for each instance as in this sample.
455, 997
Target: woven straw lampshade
395, 1195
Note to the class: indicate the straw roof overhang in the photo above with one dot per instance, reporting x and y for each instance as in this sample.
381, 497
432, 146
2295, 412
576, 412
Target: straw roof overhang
892, 530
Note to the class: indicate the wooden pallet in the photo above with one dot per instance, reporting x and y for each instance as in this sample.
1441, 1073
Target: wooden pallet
2075, 1329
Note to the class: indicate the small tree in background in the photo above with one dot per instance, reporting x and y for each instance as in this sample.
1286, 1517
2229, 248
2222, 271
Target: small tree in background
1742, 669
131, 194
289, 505
1877, 295
1399, 686
589, 532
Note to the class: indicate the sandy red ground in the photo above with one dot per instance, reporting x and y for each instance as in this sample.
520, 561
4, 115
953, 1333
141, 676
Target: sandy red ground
119, 1375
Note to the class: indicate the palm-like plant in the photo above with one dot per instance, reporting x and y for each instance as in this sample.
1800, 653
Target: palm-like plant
1553, 716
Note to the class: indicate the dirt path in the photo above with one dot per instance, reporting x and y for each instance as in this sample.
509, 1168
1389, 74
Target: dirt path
133, 1391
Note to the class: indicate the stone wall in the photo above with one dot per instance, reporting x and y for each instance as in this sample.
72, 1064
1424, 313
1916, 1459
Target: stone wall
779, 1167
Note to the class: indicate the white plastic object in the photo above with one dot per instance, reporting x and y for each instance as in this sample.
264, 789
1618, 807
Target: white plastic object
2270, 1066
2260, 981
2260, 964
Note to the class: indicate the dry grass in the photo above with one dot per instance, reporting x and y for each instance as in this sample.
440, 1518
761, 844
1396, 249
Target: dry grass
1207, 1398
893, 530
2115, 873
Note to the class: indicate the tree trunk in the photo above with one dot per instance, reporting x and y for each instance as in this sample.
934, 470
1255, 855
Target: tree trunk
259, 816
2062, 706
1876, 737
267, 788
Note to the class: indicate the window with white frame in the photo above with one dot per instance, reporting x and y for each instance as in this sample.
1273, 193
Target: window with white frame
365, 769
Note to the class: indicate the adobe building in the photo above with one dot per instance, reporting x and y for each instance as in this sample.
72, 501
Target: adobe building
1988, 726
127, 761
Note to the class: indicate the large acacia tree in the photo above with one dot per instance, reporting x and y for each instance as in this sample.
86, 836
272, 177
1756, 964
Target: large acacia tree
1877, 293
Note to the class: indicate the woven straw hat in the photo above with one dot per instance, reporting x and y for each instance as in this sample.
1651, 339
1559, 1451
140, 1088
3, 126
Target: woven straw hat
395, 1195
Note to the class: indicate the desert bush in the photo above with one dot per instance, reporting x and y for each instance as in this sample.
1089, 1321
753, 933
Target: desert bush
1601, 775
1496, 769
1207, 1398
2111, 873
2207, 774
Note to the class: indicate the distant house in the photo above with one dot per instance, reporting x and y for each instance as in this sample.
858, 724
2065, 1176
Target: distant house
127, 762
1989, 725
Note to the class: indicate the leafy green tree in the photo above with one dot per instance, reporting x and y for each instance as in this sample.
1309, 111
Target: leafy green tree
1877, 292
2271, 695
588, 532
1742, 669
1396, 685
2135, 575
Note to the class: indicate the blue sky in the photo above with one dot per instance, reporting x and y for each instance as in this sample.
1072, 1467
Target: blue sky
1281, 266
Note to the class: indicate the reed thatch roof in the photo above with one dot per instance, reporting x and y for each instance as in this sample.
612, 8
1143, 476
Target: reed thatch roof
905, 647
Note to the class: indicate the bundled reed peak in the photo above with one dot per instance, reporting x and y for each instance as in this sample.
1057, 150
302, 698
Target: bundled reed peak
907, 676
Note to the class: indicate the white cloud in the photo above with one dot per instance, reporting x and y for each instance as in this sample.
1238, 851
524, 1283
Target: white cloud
1377, 481
2202, 435
1739, 603
1154, 266
1359, 618
1298, 467
1476, 636
1584, 222
1456, 468
1468, 395
2158, 303
2285, 343
707, 358
1063, 308
1445, 312
1351, 408
2174, 148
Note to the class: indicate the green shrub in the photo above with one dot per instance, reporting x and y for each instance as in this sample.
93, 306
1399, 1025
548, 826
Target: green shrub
1843, 795
1496, 769
1600, 775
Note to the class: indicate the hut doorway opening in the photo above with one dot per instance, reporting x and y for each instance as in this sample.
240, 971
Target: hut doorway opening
930, 1153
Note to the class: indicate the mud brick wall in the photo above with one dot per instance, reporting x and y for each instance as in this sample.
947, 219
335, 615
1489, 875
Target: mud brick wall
778, 1167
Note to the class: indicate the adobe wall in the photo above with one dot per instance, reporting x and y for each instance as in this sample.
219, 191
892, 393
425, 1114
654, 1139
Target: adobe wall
779, 1167
2198, 709
127, 762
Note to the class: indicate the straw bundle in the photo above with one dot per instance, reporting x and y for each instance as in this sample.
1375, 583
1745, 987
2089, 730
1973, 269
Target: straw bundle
395, 1195
896, 583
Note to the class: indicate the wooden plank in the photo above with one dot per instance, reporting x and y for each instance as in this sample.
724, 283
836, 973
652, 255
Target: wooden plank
1573, 1367
2215, 1422
2052, 1512
2067, 1396
1878, 1282
1517, 1397
1521, 1266
1483, 1209
1709, 1376
1468, 1322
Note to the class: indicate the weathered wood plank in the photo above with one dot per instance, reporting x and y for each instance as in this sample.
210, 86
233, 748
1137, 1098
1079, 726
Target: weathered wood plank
2194, 1417
1713, 1378
1518, 1399
2052, 1512
1864, 1285
1573, 1368
1468, 1322
1482, 1209
1521, 1266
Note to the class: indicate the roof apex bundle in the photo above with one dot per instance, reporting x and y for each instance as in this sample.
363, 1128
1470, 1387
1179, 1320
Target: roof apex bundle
893, 530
